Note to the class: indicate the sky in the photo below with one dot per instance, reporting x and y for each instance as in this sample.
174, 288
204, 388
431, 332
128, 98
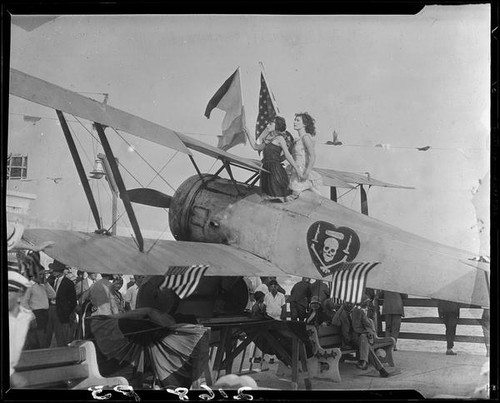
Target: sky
398, 81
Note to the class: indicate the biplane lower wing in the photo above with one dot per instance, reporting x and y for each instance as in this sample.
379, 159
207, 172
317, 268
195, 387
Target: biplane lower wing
119, 255
352, 177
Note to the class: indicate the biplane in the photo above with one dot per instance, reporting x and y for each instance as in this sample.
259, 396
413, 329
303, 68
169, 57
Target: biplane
228, 227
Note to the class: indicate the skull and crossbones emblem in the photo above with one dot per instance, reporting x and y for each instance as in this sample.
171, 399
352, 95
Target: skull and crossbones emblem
331, 246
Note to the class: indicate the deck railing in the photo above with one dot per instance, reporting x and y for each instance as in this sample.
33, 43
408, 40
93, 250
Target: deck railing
432, 303
414, 302
244, 363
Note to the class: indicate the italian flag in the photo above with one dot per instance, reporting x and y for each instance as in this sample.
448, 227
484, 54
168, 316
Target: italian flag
228, 99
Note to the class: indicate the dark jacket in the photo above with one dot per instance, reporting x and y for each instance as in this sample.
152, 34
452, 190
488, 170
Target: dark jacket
321, 290
65, 300
393, 303
361, 323
301, 294
448, 307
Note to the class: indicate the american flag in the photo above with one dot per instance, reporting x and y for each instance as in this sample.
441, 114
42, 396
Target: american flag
348, 283
184, 279
266, 107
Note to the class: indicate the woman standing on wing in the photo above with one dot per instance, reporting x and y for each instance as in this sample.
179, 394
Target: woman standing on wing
302, 176
276, 142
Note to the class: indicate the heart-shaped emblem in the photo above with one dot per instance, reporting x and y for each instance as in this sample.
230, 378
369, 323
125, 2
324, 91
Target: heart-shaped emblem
330, 246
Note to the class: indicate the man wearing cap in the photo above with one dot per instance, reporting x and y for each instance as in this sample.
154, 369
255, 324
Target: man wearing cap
62, 307
275, 301
316, 316
19, 317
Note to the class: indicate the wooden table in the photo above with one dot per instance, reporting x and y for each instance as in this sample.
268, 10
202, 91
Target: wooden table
227, 350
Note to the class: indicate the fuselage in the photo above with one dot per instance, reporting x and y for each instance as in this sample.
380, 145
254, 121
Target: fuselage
311, 235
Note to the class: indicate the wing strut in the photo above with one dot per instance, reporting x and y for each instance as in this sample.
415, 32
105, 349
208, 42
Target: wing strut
79, 168
364, 201
121, 186
333, 193
230, 172
253, 179
197, 169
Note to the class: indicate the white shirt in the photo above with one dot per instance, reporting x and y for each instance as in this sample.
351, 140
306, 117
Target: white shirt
131, 296
274, 304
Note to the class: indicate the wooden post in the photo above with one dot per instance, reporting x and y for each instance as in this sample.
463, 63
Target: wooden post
295, 362
303, 360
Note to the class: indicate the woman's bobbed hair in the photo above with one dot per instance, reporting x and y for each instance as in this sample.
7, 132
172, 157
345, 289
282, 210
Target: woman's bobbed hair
308, 121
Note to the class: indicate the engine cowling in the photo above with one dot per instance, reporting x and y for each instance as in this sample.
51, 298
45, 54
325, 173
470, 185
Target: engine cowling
198, 206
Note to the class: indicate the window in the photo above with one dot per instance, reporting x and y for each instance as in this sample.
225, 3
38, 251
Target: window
17, 166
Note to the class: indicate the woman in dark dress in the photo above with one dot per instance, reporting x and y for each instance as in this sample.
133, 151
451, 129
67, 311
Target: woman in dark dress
276, 145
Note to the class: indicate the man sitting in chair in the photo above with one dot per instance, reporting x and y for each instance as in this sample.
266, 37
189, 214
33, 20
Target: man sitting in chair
364, 335
342, 319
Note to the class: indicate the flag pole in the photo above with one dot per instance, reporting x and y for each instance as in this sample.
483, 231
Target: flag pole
243, 117
273, 99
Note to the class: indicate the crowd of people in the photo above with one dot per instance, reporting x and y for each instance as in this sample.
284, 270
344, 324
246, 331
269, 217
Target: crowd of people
61, 300
52, 305
357, 324
277, 145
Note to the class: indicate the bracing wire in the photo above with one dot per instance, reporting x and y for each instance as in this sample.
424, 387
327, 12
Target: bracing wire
123, 166
347, 192
141, 157
162, 168
158, 173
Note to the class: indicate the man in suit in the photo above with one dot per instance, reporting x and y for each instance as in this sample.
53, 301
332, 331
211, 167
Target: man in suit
393, 310
62, 307
364, 333
449, 313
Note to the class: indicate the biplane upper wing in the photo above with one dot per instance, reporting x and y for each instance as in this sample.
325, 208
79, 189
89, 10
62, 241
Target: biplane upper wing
44, 93
119, 255
215, 152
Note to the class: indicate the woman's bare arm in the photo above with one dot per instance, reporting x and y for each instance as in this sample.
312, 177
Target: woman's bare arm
309, 146
253, 144
282, 143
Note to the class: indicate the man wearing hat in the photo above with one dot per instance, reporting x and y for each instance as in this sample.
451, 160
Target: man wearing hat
62, 307
316, 316
19, 317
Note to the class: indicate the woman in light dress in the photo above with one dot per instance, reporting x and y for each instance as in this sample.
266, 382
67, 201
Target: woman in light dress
302, 177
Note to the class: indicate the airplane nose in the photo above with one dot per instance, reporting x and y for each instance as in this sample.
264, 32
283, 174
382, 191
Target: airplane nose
200, 207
